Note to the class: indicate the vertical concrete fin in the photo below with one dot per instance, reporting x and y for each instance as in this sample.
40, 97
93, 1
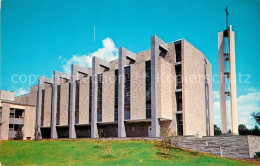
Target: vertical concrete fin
221, 59
232, 74
123, 54
156, 43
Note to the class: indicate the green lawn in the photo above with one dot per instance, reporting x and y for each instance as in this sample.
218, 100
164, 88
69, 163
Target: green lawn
101, 152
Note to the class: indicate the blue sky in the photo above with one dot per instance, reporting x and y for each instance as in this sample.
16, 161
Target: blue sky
39, 36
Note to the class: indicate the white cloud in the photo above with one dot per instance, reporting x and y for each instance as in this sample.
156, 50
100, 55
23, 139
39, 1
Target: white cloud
246, 105
20, 91
109, 52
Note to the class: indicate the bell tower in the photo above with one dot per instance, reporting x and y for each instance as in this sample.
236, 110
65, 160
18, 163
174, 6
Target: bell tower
227, 76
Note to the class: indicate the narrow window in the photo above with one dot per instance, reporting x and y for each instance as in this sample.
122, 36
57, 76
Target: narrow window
179, 101
148, 89
99, 99
42, 107
127, 92
58, 106
69, 105
77, 102
90, 98
178, 77
0, 111
179, 124
178, 51
116, 96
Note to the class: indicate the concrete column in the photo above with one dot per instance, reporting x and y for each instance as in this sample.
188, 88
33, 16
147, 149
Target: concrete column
56, 81
72, 131
39, 103
156, 45
123, 54
121, 93
232, 76
221, 58
74, 77
95, 68
54, 134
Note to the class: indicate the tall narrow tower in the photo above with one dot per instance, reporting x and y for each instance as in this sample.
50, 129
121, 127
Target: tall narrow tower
227, 77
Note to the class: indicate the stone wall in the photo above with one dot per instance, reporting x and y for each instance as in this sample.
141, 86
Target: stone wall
193, 91
47, 108
27, 99
64, 103
232, 146
254, 145
108, 96
29, 122
165, 87
137, 91
84, 101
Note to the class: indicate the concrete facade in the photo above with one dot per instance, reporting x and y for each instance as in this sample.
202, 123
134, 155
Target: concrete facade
11, 119
138, 95
194, 63
6, 95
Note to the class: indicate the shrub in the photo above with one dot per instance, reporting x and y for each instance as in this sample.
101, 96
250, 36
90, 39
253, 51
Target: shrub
19, 133
257, 154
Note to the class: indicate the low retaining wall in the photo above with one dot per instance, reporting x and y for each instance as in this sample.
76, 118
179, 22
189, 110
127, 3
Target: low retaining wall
232, 146
254, 145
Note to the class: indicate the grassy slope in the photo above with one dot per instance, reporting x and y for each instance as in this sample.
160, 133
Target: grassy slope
96, 152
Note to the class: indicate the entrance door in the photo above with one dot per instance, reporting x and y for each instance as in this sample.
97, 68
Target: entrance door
149, 131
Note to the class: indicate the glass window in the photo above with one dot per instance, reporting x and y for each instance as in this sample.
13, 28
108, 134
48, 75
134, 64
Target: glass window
77, 95
127, 70
127, 99
116, 96
42, 107
58, 106
11, 113
11, 127
179, 101
179, 124
148, 114
58, 98
148, 89
127, 92
90, 98
99, 98
178, 51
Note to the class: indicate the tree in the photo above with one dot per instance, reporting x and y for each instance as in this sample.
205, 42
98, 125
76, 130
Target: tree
19, 133
243, 130
256, 117
256, 130
217, 130
37, 134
